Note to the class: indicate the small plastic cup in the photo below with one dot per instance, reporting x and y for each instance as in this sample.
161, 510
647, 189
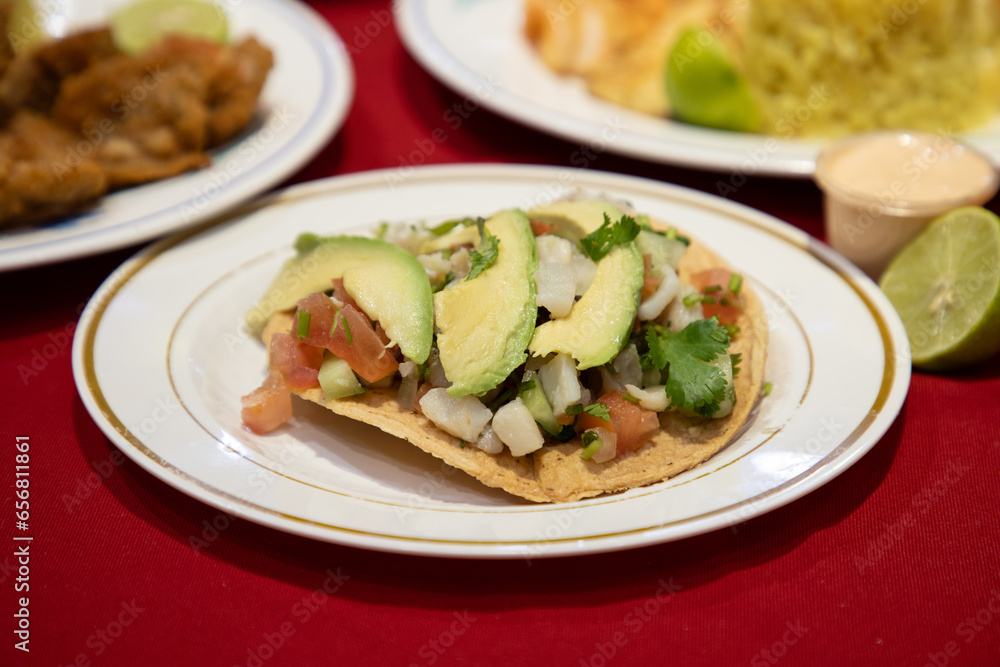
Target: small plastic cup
882, 188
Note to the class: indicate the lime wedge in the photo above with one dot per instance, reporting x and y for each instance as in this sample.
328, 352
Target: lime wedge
26, 26
705, 87
138, 26
945, 285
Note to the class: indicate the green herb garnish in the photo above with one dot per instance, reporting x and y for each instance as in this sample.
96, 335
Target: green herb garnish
691, 299
736, 358
691, 383
735, 284
503, 397
347, 329
767, 388
712, 289
629, 397
592, 444
598, 410
302, 328
485, 253
673, 235
599, 242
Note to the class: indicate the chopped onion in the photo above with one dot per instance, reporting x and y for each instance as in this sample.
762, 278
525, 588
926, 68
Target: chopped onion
655, 304
651, 398
516, 428
463, 417
677, 315
408, 386
556, 288
489, 442
560, 382
554, 249
435, 371
609, 445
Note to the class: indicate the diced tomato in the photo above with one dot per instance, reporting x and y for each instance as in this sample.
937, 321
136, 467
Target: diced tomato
361, 349
634, 425
297, 361
341, 295
267, 407
540, 228
649, 281
727, 306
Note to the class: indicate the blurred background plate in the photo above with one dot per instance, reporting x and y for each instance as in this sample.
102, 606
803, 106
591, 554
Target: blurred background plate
478, 48
304, 102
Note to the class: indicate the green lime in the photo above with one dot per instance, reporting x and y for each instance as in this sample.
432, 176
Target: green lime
705, 87
945, 285
138, 26
26, 26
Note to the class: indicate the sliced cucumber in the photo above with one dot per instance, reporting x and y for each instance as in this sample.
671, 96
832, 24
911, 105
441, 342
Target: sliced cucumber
534, 399
661, 250
337, 380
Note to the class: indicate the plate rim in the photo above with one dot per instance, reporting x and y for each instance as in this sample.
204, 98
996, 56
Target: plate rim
326, 119
891, 395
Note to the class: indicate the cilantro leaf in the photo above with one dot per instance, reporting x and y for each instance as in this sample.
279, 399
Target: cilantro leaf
598, 410
599, 242
485, 254
736, 358
691, 383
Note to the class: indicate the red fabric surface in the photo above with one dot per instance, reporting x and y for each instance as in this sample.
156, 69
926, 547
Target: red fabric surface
894, 562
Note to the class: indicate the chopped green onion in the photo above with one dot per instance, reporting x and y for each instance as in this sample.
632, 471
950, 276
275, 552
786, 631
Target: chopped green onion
462, 443
767, 388
336, 315
302, 330
599, 410
732, 329
629, 397
525, 386
711, 289
381, 230
503, 397
347, 328
691, 299
724, 301
610, 367
735, 283
673, 235
444, 227
710, 300
592, 444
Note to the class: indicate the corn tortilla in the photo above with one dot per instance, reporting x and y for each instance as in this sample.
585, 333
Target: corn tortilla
556, 473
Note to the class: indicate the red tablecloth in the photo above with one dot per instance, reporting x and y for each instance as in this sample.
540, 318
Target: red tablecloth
894, 562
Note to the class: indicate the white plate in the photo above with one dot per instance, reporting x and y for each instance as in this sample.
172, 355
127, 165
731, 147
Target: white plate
304, 101
477, 47
161, 358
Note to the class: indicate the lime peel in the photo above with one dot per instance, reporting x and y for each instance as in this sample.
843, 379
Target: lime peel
945, 285
138, 26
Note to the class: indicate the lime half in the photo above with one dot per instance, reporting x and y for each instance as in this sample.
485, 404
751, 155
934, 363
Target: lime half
945, 285
140, 25
705, 87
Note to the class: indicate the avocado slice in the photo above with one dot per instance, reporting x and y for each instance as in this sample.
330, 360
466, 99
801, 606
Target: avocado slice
485, 323
576, 219
388, 283
598, 326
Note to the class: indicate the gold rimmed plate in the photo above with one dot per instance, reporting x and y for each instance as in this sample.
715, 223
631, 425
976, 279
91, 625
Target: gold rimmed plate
161, 358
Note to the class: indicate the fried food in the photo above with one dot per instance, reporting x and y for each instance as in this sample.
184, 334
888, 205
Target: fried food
80, 118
